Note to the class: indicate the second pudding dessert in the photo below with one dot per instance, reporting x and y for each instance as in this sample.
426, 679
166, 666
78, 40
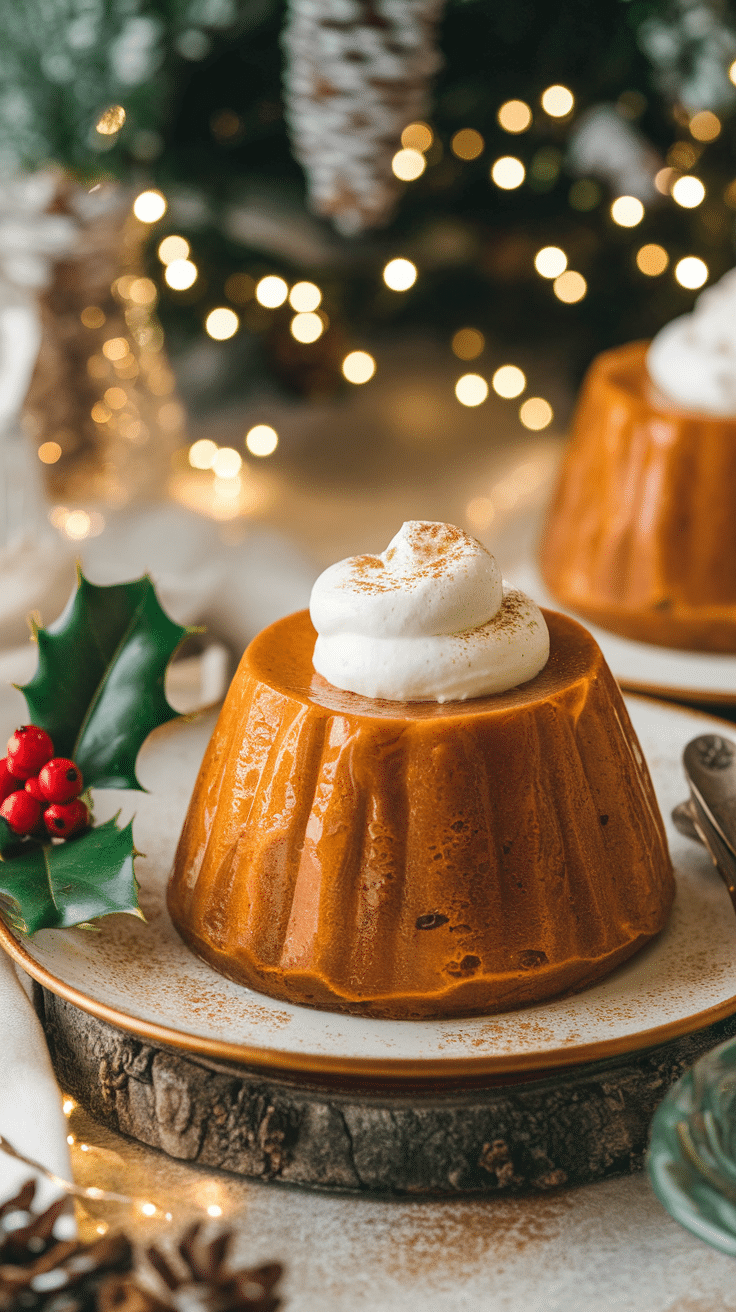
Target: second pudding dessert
442, 820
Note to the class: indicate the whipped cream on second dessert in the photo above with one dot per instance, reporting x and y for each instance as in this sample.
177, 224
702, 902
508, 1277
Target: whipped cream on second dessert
430, 619
693, 359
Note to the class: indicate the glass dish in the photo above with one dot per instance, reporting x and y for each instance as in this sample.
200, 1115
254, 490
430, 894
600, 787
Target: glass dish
692, 1152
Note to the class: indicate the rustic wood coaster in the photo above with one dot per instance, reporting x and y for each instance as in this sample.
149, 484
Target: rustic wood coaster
566, 1126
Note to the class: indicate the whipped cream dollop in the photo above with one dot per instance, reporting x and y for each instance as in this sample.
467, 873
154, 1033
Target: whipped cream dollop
692, 360
430, 619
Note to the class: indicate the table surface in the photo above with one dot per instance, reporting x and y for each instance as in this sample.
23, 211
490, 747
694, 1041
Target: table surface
417, 454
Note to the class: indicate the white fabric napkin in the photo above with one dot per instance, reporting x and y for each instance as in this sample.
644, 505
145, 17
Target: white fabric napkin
232, 588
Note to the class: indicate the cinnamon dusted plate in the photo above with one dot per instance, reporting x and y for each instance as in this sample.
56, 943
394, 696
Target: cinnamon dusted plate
143, 979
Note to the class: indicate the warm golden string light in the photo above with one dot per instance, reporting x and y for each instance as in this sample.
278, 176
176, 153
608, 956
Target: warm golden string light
408, 164
514, 116
691, 272
358, 367
262, 440
471, 389
150, 206
652, 259
705, 126
49, 453
400, 275
304, 297
417, 136
202, 453
227, 462
550, 262
306, 328
271, 291
508, 172
627, 211
173, 248
468, 343
509, 381
557, 101
688, 192
92, 316
467, 144
570, 287
221, 323
180, 275
535, 413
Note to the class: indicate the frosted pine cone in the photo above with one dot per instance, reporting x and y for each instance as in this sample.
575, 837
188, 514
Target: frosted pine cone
357, 72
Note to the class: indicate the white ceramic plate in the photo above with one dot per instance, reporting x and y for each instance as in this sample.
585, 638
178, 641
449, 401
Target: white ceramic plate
142, 977
691, 676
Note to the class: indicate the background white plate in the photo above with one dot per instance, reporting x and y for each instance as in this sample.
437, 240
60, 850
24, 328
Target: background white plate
692, 676
143, 978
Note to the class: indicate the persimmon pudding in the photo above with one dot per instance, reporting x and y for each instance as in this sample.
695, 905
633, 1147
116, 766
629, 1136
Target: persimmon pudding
641, 534
438, 808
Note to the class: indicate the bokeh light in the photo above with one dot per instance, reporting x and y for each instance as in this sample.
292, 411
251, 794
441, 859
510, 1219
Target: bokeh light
468, 343
732, 72
663, 180
173, 248
358, 367
306, 328
417, 136
508, 172
550, 262
535, 413
110, 121
691, 272
180, 274
652, 259
570, 287
471, 389
221, 323
688, 192
115, 348
705, 126
400, 275
202, 453
142, 291
467, 144
627, 211
514, 116
227, 462
509, 381
262, 440
49, 453
115, 397
557, 101
92, 316
304, 296
149, 206
408, 164
271, 291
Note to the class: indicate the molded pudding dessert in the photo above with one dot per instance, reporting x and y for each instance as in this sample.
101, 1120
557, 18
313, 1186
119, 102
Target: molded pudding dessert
641, 535
447, 813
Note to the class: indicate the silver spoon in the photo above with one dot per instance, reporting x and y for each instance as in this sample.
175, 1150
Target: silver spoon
709, 815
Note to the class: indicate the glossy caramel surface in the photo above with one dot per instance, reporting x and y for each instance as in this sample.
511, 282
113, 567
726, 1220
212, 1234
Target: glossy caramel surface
413, 859
641, 534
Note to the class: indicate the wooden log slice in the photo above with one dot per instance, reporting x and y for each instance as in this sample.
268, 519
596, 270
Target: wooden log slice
564, 1127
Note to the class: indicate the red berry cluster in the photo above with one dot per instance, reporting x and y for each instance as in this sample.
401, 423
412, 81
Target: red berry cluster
33, 780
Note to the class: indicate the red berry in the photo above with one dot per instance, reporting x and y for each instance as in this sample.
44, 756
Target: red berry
34, 788
62, 819
60, 780
21, 811
8, 784
28, 749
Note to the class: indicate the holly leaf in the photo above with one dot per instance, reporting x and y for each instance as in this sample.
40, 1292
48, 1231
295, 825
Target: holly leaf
57, 885
99, 686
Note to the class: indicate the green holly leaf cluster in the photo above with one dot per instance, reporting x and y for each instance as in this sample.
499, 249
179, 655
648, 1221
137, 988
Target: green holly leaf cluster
98, 692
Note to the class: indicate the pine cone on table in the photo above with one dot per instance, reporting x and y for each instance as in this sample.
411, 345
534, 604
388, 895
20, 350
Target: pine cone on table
205, 1281
40, 1271
357, 72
